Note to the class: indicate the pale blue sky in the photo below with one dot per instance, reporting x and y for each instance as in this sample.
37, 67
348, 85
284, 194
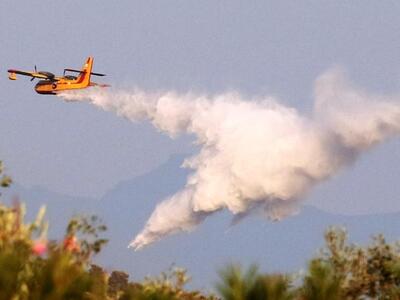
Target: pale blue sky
255, 47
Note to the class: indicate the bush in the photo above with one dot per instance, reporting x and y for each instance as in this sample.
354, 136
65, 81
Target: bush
31, 267
237, 285
35, 268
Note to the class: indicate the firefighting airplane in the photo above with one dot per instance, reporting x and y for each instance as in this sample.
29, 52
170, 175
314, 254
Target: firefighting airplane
51, 84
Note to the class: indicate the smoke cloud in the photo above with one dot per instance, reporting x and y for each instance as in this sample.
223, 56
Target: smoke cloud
256, 155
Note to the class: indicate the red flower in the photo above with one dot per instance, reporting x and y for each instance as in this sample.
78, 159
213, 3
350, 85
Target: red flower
39, 247
71, 243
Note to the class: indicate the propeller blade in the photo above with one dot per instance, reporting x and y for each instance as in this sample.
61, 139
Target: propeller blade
32, 78
35, 69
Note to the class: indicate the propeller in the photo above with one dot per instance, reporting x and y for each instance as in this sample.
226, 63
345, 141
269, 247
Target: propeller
35, 72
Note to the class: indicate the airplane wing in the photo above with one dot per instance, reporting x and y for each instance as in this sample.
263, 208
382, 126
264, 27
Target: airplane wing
80, 71
42, 75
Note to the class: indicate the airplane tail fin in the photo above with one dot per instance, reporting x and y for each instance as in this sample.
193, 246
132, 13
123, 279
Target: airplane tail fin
84, 77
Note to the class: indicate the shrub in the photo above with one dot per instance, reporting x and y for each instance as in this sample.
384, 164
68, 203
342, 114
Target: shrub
35, 268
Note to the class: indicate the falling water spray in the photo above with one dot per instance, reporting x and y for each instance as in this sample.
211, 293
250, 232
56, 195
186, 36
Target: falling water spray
256, 155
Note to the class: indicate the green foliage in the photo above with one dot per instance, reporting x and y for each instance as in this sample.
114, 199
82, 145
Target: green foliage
31, 267
272, 287
168, 286
87, 230
320, 283
34, 268
238, 285
117, 282
341, 271
363, 272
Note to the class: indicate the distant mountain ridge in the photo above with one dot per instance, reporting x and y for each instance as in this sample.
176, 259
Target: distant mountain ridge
280, 246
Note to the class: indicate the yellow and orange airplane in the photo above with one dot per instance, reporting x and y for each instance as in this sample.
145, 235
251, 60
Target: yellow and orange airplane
51, 84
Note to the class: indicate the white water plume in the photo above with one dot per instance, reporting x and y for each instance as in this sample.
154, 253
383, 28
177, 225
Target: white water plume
256, 154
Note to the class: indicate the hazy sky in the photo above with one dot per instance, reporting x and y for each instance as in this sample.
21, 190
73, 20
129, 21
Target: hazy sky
255, 47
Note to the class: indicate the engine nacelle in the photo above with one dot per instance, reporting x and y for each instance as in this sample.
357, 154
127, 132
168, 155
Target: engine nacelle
12, 76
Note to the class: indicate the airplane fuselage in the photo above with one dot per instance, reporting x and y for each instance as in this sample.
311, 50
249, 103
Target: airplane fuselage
47, 87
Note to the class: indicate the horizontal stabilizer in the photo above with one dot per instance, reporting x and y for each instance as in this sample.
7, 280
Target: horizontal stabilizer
97, 74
